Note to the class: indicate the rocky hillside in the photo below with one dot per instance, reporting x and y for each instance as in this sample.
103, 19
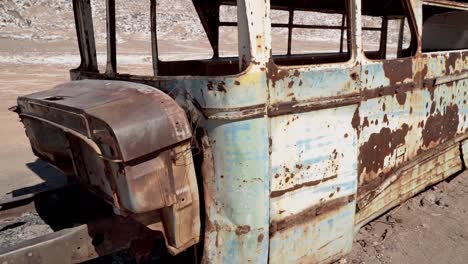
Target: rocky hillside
46, 20
53, 19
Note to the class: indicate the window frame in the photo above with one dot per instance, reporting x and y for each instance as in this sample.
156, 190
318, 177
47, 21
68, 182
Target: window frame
413, 46
350, 30
454, 6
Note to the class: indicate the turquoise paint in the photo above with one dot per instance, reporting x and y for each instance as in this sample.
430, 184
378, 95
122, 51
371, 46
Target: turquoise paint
241, 190
313, 235
375, 77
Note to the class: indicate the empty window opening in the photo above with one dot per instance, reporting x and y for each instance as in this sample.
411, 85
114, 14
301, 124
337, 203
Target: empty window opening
228, 39
444, 29
386, 31
180, 34
100, 33
166, 38
228, 35
310, 33
133, 40
279, 35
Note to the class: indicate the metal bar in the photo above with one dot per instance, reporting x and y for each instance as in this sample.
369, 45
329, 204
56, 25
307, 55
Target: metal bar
81, 243
350, 20
306, 26
290, 27
448, 4
85, 35
343, 19
450, 78
227, 24
234, 24
383, 38
208, 12
111, 67
372, 28
154, 38
400, 38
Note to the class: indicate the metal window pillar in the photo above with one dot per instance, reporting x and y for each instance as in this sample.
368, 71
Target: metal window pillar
85, 35
111, 67
154, 37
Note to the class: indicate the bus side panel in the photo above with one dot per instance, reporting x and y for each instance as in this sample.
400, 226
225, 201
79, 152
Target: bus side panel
313, 185
409, 134
236, 194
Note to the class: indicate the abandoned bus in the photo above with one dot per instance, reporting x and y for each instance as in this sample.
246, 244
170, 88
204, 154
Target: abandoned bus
276, 154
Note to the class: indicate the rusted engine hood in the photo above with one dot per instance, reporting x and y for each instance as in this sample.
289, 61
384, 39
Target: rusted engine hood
139, 118
128, 142
125, 125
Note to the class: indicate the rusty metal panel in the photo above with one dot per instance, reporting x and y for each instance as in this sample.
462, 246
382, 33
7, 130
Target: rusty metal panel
385, 137
129, 109
305, 89
411, 106
439, 64
410, 180
306, 83
222, 97
237, 192
128, 142
313, 185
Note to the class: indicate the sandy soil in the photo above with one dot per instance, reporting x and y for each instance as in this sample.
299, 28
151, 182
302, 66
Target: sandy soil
20, 171
429, 228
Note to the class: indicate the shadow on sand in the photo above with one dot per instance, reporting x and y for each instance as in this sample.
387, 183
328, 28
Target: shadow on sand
52, 177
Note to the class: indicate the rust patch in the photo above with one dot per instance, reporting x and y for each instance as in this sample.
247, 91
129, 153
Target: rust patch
309, 214
401, 97
356, 122
451, 61
441, 127
372, 154
210, 86
398, 70
420, 76
260, 238
243, 229
433, 108
365, 123
279, 193
222, 87
275, 74
292, 106
237, 82
297, 73
291, 84
392, 90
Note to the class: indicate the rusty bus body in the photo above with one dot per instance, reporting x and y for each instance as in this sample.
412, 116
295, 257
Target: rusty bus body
264, 158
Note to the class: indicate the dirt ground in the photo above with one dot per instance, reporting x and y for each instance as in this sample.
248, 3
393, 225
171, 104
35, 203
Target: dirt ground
429, 228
